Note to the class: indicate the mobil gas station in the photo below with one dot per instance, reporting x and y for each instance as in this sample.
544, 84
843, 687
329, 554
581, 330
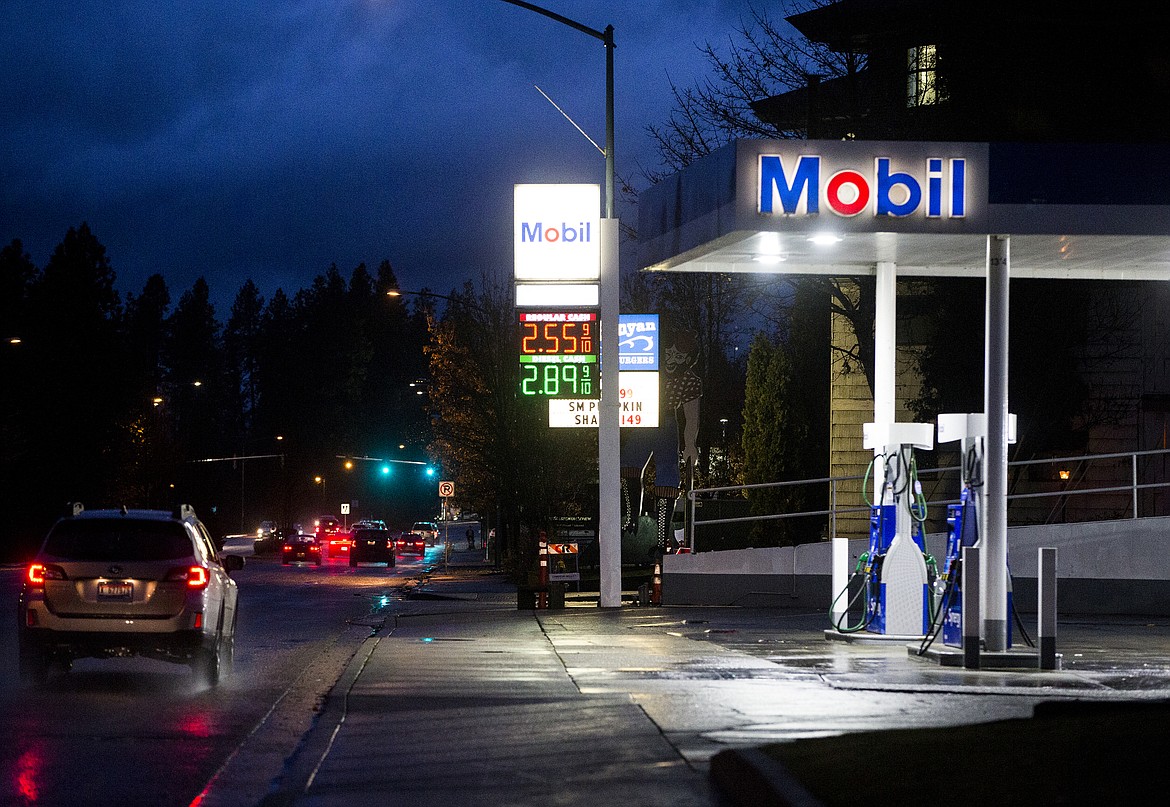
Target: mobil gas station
892, 210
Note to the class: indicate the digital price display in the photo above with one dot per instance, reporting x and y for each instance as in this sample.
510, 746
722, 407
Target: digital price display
558, 354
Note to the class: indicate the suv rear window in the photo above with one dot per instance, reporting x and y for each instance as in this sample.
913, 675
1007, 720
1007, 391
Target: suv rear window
120, 540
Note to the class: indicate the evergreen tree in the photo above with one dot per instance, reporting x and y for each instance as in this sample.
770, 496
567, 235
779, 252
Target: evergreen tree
241, 338
773, 435
17, 439
198, 399
82, 390
148, 452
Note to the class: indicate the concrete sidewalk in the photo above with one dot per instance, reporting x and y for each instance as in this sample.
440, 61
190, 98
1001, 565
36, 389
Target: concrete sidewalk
460, 698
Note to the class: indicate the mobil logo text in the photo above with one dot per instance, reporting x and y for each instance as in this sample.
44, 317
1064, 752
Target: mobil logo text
936, 188
537, 232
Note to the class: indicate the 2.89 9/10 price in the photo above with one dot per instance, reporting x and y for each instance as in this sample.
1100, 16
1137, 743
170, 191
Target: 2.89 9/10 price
558, 380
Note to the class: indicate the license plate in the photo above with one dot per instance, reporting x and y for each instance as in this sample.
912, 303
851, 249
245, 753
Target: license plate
115, 591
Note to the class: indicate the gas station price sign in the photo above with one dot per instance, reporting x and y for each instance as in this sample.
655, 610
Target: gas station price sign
559, 354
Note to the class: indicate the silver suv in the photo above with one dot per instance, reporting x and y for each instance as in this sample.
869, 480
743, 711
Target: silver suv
428, 530
110, 583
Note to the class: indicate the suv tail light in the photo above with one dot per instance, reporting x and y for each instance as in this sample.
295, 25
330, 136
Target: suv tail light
38, 573
197, 577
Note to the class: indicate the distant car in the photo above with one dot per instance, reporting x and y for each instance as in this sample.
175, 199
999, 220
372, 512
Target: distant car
368, 524
331, 535
411, 543
326, 525
266, 538
371, 545
428, 530
107, 583
301, 548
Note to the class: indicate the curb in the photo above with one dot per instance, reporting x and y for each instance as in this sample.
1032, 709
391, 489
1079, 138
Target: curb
750, 778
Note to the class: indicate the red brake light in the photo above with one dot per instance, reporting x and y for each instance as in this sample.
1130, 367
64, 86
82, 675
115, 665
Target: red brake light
196, 577
38, 573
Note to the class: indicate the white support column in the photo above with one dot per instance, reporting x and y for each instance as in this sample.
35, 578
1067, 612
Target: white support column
993, 557
609, 523
839, 608
885, 349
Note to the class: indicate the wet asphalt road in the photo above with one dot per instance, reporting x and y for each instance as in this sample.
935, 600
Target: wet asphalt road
138, 732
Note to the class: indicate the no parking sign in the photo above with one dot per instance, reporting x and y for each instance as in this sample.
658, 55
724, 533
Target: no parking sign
446, 489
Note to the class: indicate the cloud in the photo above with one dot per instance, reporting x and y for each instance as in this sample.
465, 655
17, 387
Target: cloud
269, 139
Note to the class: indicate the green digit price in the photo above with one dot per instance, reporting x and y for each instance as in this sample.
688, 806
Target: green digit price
556, 380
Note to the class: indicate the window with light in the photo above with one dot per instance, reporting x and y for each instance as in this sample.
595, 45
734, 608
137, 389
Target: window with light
922, 87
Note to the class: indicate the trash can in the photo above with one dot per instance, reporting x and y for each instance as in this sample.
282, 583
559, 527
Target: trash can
556, 595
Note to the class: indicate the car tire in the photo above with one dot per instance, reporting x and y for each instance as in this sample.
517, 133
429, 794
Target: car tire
207, 665
227, 657
391, 562
211, 664
352, 560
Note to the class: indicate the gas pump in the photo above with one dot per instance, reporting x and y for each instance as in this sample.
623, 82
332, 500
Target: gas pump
896, 572
963, 521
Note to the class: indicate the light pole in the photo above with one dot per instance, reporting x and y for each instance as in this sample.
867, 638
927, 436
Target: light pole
609, 522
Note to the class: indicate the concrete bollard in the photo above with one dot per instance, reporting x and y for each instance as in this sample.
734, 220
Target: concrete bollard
972, 612
1046, 606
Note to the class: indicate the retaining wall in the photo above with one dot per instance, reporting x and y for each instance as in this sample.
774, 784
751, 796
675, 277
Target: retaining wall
1103, 567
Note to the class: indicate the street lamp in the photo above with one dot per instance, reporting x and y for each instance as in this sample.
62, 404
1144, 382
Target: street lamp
608, 427
400, 293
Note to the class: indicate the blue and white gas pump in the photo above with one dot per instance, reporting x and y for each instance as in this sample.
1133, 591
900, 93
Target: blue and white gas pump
964, 520
897, 579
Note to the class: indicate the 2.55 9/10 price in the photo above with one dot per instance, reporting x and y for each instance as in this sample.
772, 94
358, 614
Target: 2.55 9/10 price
557, 338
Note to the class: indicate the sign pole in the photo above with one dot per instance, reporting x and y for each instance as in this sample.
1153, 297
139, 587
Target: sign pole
609, 524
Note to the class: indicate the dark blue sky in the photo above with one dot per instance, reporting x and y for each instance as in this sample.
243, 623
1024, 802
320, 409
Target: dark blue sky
270, 139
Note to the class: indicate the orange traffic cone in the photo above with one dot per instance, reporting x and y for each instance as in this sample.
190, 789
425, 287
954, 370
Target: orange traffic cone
656, 588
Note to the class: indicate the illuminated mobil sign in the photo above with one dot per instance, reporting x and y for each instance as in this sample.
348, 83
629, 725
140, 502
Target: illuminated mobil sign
557, 232
638, 342
801, 186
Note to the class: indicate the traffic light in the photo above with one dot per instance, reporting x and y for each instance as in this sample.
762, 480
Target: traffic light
430, 471
386, 469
